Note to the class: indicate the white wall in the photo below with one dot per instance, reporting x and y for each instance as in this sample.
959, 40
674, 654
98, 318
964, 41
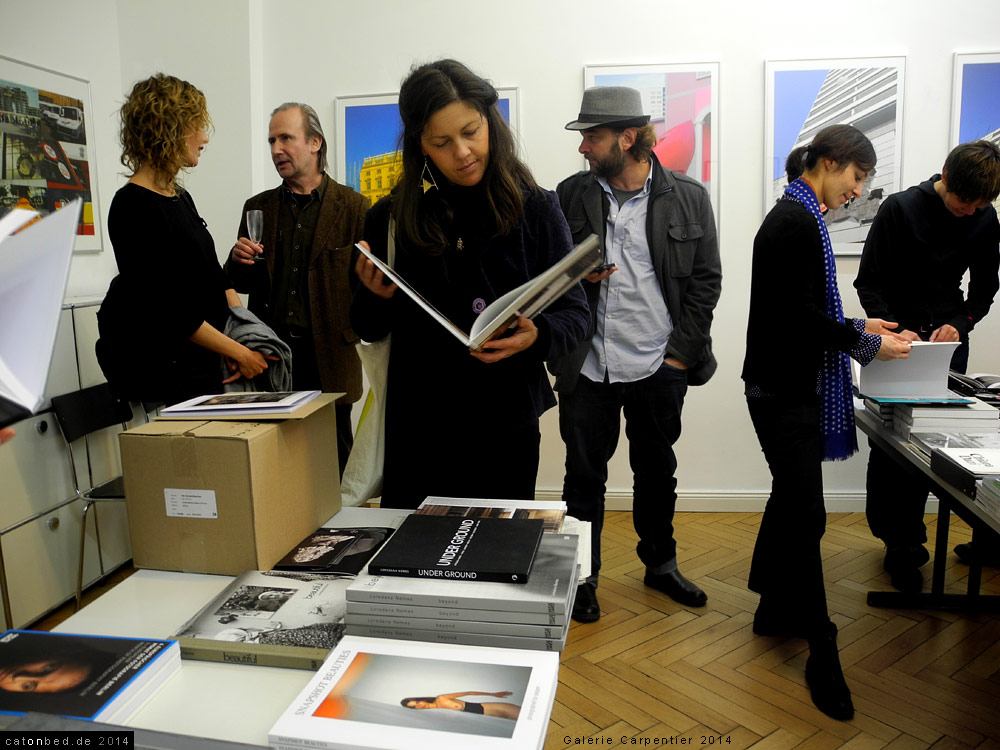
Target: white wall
249, 55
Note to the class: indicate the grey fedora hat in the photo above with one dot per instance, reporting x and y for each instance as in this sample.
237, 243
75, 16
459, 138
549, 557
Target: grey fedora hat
610, 105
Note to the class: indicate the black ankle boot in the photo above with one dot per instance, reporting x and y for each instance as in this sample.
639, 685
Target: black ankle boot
825, 677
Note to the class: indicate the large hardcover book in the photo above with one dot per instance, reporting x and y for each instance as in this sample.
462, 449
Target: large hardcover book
552, 512
924, 374
962, 467
927, 441
97, 678
256, 405
34, 267
270, 620
975, 409
457, 548
438, 614
465, 639
396, 695
528, 300
921, 424
486, 627
335, 551
549, 589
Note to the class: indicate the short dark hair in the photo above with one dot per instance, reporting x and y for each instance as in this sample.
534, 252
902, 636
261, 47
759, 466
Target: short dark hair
426, 89
312, 127
972, 171
844, 144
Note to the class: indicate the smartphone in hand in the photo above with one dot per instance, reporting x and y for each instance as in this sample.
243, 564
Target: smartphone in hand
603, 267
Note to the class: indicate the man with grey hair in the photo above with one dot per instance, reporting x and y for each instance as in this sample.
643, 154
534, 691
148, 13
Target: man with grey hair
652, 303
300, 276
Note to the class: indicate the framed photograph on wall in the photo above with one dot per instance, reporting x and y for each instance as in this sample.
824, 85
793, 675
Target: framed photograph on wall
47, 156
682, 101
805, 96
975, 108
367, 140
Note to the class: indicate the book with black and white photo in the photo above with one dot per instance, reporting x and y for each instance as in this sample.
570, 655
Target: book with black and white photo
928, 424
458, 548
253, 404
400, 695
552, 512
269, 619
527, 300
927, 441
34, 268
549, 590
92, 677
335, 551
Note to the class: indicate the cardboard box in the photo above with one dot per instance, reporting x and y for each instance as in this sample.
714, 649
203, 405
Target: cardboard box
223, 496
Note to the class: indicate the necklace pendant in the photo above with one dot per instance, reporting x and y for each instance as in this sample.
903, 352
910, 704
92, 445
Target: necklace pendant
460, 245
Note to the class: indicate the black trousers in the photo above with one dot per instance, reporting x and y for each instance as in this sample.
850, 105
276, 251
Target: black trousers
787, 567
895, 494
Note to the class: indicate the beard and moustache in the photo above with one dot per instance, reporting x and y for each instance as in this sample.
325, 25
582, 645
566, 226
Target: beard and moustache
611, 165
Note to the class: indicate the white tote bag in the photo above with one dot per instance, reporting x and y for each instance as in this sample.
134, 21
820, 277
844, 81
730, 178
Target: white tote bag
362, 479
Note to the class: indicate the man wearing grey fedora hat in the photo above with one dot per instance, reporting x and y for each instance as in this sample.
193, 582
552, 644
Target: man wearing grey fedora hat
652, 303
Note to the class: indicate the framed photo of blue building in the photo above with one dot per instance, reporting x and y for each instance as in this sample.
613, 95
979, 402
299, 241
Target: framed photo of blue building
805, 96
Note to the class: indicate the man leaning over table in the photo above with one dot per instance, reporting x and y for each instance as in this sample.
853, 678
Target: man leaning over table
921, 244
300, 276
652, 315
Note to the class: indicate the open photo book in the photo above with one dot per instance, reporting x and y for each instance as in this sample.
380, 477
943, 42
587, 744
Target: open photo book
34, 267
528, 300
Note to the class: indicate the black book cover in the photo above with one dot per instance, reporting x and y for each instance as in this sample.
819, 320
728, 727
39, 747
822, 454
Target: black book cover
465, 549
335, 551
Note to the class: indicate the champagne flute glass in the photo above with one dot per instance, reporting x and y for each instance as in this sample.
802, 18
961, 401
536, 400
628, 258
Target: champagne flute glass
255, 225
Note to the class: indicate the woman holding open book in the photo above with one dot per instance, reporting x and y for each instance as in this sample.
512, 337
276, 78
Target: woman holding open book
798, 389
162, 320
467, 223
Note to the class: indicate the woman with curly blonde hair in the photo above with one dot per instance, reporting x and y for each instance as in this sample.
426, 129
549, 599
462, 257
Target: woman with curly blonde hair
161, 322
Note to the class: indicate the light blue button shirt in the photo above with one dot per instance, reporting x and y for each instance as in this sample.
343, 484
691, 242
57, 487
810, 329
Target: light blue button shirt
633, 325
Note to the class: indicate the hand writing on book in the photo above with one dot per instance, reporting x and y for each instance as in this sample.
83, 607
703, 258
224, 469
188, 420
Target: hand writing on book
496, 349
372, 278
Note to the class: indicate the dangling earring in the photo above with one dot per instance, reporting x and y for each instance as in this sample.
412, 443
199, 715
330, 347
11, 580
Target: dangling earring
427, 176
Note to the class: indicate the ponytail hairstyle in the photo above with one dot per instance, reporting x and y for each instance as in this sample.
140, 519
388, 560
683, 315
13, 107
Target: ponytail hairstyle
843, 144
425, 90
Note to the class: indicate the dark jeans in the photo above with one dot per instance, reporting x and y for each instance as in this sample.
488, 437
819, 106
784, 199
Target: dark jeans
787, 568
895, 494
305, 377
590, 422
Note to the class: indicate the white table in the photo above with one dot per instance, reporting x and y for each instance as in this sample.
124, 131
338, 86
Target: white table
206, 699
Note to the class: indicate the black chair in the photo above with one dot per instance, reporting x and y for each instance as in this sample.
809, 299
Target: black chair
79, 414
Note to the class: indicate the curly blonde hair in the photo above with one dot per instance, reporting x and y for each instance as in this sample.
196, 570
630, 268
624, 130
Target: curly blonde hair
156, 120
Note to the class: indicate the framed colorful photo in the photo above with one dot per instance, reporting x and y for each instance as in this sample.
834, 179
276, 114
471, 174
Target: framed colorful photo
367, 140
975, 108
682, 101
805, 96
47, 156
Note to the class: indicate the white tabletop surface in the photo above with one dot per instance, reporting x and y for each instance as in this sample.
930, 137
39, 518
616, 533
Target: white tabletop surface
232, 702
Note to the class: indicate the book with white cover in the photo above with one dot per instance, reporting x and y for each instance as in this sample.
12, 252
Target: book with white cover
442, 614
552, 512
528, 300
402, 695
549, 589
924, 374
462, 638
254, 404
34, 268
484, 626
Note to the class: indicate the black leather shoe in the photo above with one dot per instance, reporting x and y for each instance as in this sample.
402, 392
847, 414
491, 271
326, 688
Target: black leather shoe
677, 587
903, 566
969, 554
586, 608
825, 677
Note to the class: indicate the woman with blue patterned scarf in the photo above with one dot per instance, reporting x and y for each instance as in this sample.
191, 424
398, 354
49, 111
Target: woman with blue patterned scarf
798, 389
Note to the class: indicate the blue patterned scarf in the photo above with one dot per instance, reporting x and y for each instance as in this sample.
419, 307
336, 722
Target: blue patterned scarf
840, 440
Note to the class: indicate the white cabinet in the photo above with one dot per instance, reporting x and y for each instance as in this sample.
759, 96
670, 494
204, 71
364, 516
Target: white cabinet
39, 519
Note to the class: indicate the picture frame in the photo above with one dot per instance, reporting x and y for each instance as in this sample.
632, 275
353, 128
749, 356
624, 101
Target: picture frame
682, 100
367, 131
47, 152
804, 96
975, 108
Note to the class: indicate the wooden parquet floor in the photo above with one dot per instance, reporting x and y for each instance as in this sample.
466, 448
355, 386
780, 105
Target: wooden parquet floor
652, 673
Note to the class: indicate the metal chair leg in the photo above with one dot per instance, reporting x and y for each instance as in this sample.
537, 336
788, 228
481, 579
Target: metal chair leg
83, 541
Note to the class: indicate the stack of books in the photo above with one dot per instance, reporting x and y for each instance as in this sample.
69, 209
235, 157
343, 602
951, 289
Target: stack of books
926, 442
975, 415
455, 608
882, 411
988, 495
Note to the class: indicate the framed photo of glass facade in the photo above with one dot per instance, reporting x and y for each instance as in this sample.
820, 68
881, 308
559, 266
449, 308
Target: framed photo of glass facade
682, 100
47, 156
975, 108
805, 96
367, 155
